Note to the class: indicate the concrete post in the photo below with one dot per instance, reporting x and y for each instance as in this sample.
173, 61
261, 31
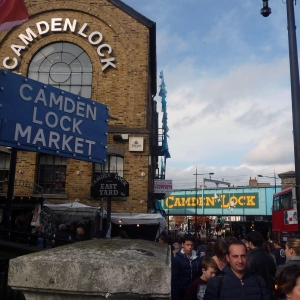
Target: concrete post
96, 269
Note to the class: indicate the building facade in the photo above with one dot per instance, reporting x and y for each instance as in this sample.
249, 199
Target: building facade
105, 51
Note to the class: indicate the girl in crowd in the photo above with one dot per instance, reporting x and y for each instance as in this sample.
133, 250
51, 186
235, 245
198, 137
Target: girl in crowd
292, 253
288, 287
220, 250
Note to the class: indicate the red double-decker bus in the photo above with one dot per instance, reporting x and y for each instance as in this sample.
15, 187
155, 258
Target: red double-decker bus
284, 215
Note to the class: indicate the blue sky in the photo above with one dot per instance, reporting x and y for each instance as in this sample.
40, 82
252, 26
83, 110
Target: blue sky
226, 70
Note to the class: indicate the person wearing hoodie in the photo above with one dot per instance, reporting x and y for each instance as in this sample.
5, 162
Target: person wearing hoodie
186, 267
236, 281
292, 254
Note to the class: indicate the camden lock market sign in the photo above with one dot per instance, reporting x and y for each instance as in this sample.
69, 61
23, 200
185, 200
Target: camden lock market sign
41, 118
242, 200
110, 185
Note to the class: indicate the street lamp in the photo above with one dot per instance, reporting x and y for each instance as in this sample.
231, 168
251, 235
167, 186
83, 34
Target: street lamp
196, 188
270, 177
295, 92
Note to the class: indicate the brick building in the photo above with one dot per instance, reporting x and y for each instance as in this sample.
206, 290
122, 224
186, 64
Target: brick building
102, 50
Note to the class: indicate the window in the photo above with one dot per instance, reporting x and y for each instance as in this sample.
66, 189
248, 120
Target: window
114, 164
283, 201
65, 66
4, 165
52, 174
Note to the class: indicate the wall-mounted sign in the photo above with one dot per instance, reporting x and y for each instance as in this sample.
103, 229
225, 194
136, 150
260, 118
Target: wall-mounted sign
55, 25
136, 143
213, 201
41, 118
162, 186
110, 185
290, 217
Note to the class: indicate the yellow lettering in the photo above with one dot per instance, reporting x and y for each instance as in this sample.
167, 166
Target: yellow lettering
223, 202
250, 201
200, 201
193, 201
240, 200
234, 199
187, 202
210, 201
177, 202
171, 198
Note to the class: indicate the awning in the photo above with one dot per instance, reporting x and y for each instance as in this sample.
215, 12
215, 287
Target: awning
146, 219
73, 208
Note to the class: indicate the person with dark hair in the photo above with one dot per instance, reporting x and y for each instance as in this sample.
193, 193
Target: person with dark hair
266, 247
162, 239
176, 245
288, 284
279, 254
220, 250
236, 281
196, 289
186, 267
201, 247
209, 251
260, 261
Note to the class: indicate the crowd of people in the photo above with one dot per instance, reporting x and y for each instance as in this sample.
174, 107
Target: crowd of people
228, 268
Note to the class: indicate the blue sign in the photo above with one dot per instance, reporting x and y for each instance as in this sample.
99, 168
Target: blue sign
41, 118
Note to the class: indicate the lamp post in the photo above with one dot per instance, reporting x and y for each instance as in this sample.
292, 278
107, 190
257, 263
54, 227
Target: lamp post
295, 90
270, 177
196, 188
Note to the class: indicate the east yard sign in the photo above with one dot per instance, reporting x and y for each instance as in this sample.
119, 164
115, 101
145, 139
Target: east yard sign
220, 201
38, 117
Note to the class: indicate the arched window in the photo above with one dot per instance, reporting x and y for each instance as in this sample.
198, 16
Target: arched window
114, 165
65, 66
52, 174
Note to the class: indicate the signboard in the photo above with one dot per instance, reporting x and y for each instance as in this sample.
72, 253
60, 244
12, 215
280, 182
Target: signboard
162, 186
213, 201
110, 185
290, 217
41, 118
136, 144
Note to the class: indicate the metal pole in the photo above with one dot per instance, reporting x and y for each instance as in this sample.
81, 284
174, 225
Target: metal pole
295, 92
10, 188
196, 210
203, 185
108, 216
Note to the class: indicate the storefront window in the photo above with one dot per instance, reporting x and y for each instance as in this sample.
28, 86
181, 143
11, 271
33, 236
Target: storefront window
4, 166
65, 66
114, 165
52, 174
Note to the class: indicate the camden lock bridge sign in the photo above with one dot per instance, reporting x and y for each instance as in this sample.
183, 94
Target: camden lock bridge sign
110, 185
41, 118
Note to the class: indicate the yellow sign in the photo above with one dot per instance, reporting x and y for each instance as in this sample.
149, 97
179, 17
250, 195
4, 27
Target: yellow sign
211, 201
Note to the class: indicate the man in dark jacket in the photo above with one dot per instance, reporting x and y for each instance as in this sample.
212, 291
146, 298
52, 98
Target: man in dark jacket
260, 261
186, 267
237, 281
279, 254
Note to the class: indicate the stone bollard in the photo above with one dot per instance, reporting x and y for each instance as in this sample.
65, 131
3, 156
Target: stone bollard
97, 269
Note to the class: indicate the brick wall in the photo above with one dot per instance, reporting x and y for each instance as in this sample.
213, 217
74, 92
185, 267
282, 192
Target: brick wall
124, 89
